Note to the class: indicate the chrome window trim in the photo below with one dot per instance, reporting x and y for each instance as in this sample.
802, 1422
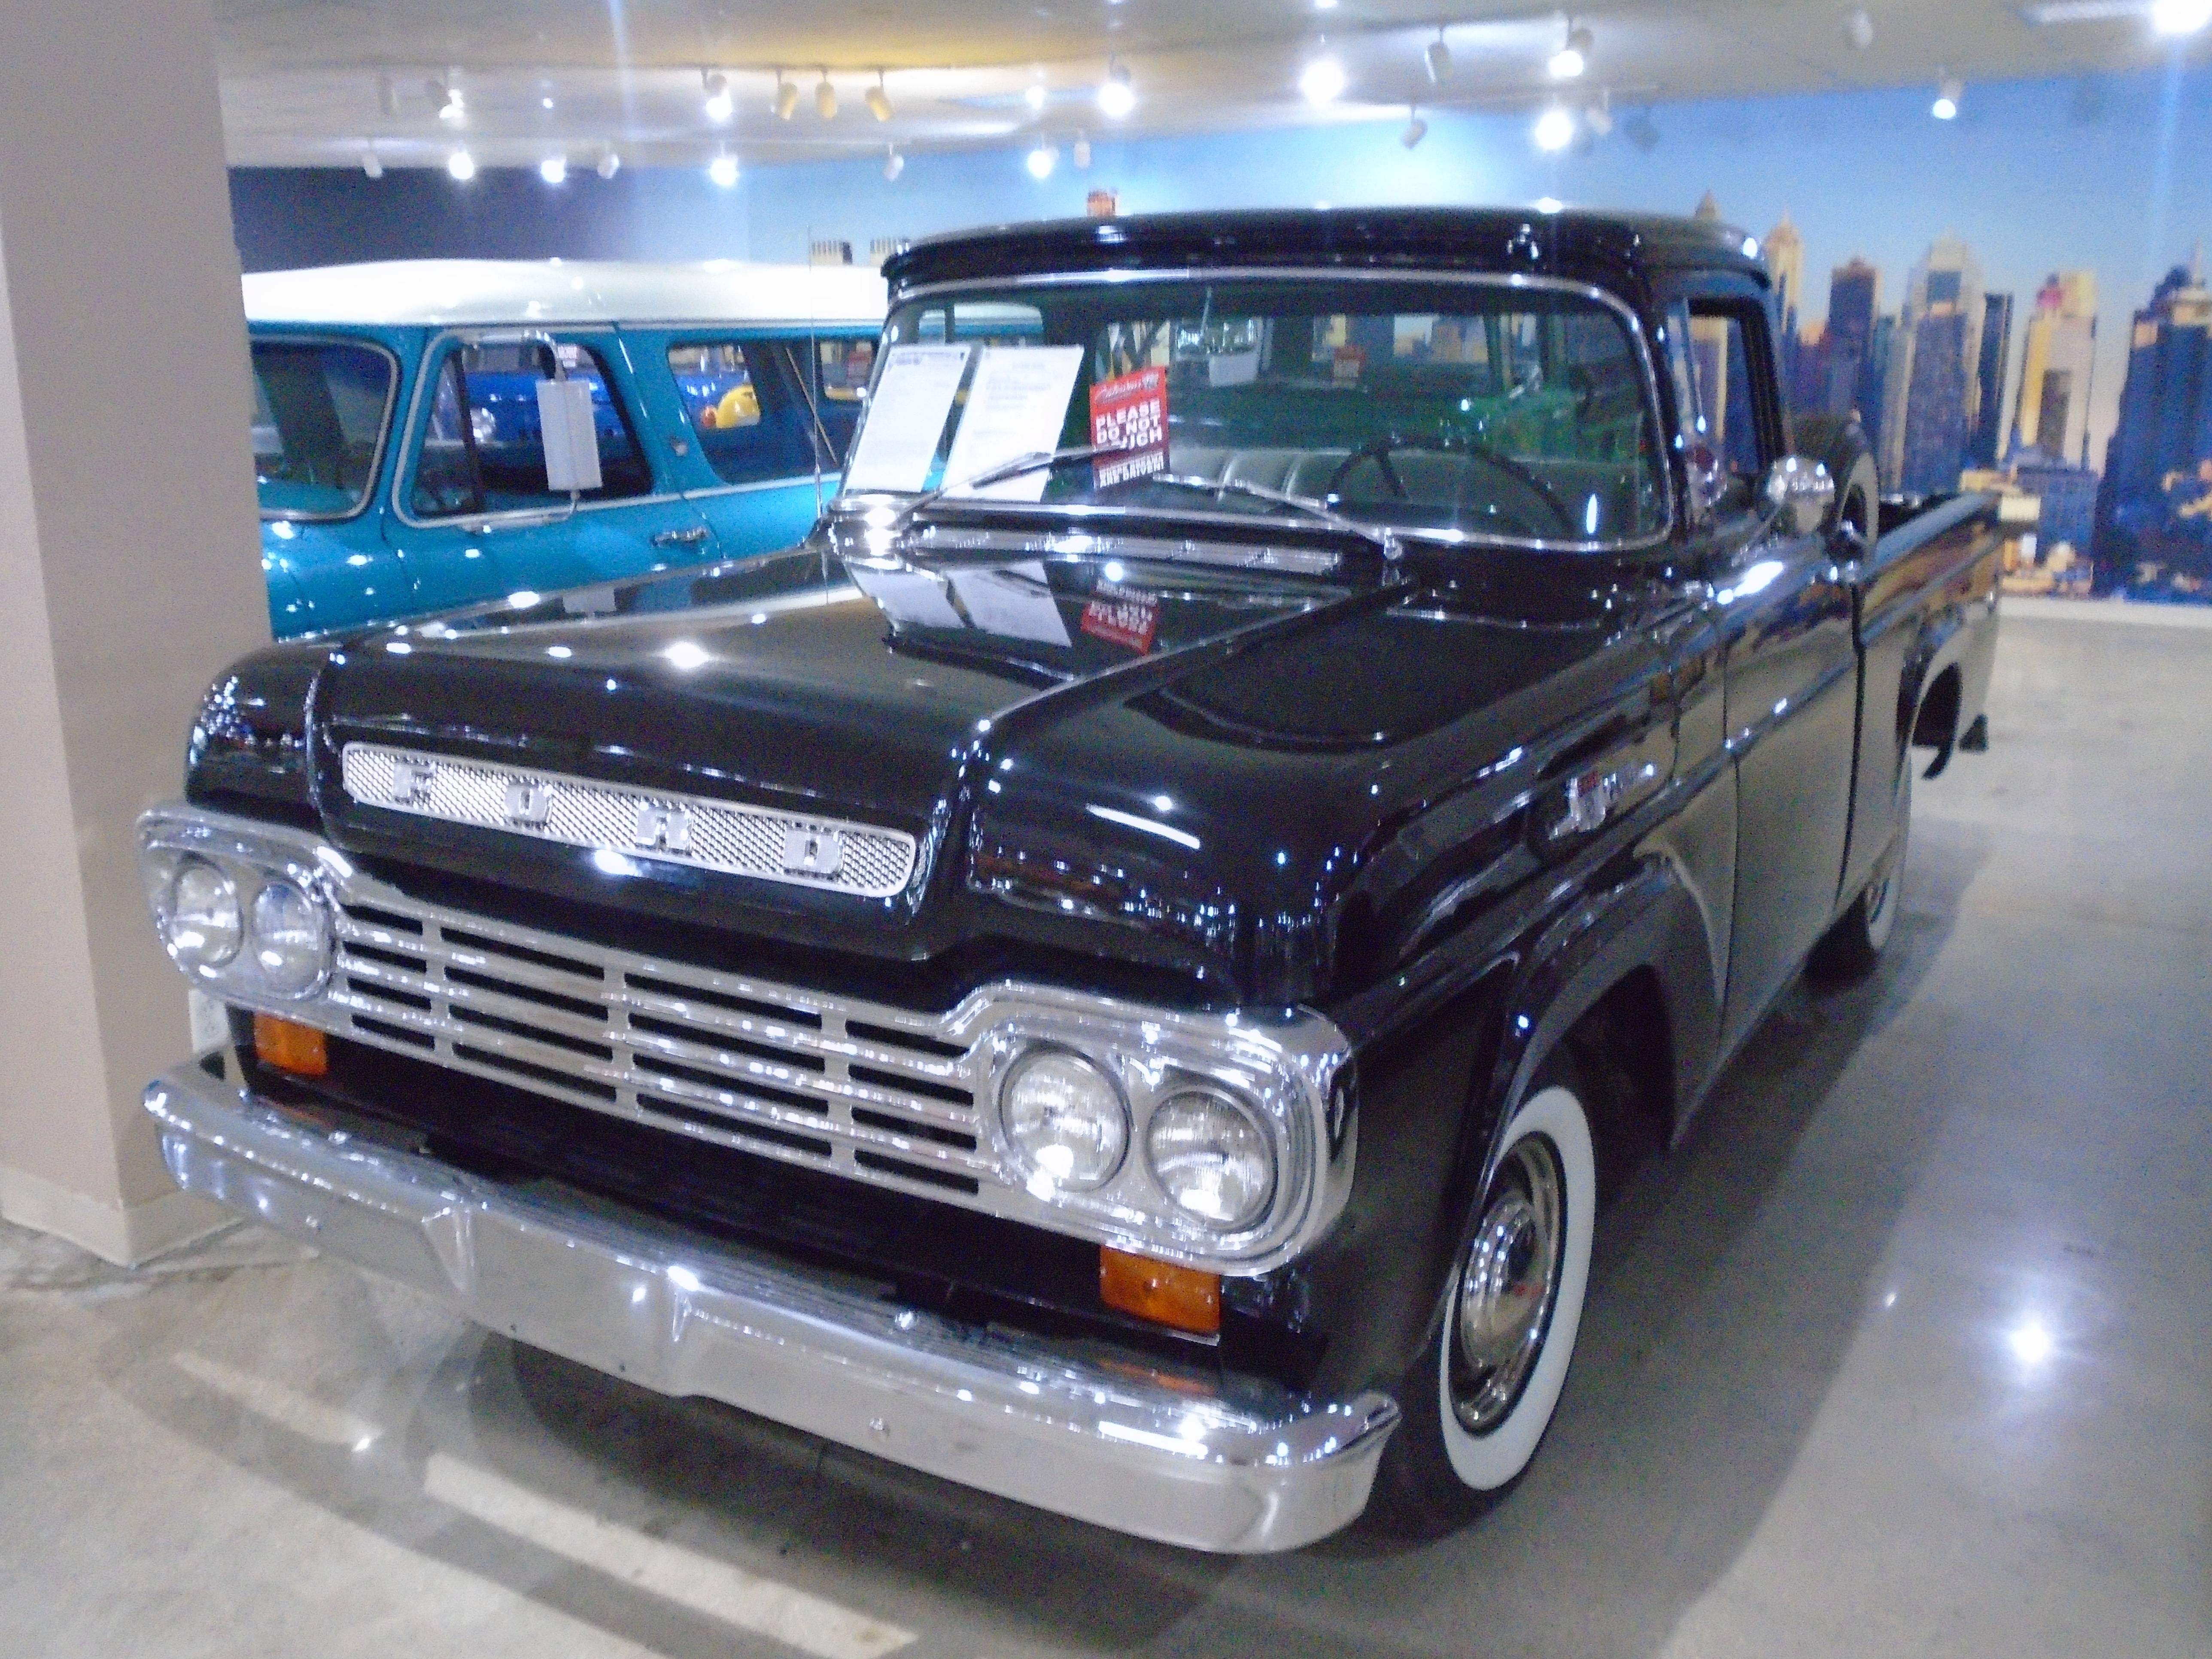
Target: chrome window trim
795, 481
1285, 1064
384, 432
1648, 374
521, 517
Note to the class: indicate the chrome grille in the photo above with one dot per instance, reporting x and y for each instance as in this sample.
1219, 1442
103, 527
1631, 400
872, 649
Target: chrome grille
737, 840
871, 1091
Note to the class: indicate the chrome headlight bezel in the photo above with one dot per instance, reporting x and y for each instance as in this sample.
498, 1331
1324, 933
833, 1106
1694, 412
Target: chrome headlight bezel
251, 865
1279, 1087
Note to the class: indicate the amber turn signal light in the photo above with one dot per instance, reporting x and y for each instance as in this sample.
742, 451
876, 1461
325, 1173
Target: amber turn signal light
300, 1049
1182, 1297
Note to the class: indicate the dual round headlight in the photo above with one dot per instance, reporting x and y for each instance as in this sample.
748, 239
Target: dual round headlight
205, 923
285, 930
1068, 1125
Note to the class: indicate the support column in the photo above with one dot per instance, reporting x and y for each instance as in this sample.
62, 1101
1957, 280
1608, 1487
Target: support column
129, 575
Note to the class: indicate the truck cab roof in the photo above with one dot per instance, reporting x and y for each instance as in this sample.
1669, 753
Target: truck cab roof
1615, 248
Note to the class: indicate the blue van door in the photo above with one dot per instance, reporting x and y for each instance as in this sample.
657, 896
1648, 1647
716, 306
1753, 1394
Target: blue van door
756, 410
473, 518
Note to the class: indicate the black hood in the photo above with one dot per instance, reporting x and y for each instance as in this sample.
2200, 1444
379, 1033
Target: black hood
1188, 766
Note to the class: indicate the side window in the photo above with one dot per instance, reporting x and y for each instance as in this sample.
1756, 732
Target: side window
750, 420
1726, 452
481, 449
843, 369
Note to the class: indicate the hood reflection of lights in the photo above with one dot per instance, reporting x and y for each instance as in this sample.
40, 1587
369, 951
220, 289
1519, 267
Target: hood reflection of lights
685, 654
1150, 827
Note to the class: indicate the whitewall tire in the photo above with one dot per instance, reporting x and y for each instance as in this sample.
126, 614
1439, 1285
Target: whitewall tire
1517, 1292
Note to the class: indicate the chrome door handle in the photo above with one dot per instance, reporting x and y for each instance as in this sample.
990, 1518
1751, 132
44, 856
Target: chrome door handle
690, 538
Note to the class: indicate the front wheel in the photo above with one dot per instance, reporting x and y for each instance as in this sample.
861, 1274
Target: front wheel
1479, 1400
1850, 950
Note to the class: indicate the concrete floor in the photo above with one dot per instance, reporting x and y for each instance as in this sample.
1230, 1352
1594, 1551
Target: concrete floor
1905, 1351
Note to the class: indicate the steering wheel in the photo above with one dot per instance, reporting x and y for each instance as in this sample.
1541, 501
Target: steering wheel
1380, 449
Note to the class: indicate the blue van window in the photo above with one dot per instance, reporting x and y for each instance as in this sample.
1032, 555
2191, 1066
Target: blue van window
843, 369
483, 451
744, 406
318, 413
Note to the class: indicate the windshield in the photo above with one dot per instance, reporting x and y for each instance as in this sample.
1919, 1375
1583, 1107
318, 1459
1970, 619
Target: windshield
1488, 407
318, 418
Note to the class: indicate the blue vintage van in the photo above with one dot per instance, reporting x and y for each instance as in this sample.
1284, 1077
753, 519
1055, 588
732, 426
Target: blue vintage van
397, 430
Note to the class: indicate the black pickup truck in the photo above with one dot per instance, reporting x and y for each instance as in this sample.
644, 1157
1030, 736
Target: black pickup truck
1120, 971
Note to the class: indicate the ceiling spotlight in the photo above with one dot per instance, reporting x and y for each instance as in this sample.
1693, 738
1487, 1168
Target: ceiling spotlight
1950, 92
1116, 97
1322, 82
462, 166
609, 163
554, 169
1438, 57
1035, 96
1555, 129
545, 102
1569, 62
894, 164
1859, 30
879, 98
372, 164
2175, 18
787, 97
1041, 160
723, 169
825, 99
720, 104
452, 108
1416, 130
1081, 154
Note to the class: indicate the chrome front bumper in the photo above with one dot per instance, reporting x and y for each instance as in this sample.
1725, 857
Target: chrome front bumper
1244, 1468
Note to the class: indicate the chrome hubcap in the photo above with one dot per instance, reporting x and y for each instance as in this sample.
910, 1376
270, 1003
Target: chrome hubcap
1508, 1285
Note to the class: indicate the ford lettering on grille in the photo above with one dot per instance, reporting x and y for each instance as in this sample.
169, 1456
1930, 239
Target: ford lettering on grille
712, 835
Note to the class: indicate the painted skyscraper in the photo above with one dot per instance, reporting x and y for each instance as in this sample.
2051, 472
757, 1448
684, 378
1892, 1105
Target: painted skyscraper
1932, 397
1987, 441
1854, 300
2155, 508
2056, 373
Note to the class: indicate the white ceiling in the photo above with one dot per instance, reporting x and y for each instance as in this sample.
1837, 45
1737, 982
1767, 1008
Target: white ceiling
316, 82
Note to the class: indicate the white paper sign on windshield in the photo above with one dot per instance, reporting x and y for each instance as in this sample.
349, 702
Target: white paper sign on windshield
1017, 406
906, 418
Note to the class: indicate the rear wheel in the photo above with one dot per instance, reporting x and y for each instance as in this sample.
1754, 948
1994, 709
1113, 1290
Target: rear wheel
1482, 1394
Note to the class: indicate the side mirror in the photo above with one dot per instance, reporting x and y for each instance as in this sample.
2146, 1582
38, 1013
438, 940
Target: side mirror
1803, 492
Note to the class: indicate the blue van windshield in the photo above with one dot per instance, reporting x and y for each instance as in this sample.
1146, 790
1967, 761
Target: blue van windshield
320, 409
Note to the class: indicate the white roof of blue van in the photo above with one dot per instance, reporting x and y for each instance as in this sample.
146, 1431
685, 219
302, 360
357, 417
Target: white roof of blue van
444, 292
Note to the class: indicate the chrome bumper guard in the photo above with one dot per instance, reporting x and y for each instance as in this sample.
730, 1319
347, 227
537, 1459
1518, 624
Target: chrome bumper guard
1244, 1468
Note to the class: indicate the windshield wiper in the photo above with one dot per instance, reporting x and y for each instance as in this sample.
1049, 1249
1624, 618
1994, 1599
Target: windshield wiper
1382, 540
1020, 467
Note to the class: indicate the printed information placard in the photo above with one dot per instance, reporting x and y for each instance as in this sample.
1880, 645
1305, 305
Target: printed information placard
1017, 406
906, 418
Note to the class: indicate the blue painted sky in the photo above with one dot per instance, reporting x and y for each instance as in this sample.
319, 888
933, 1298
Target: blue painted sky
2109, 174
